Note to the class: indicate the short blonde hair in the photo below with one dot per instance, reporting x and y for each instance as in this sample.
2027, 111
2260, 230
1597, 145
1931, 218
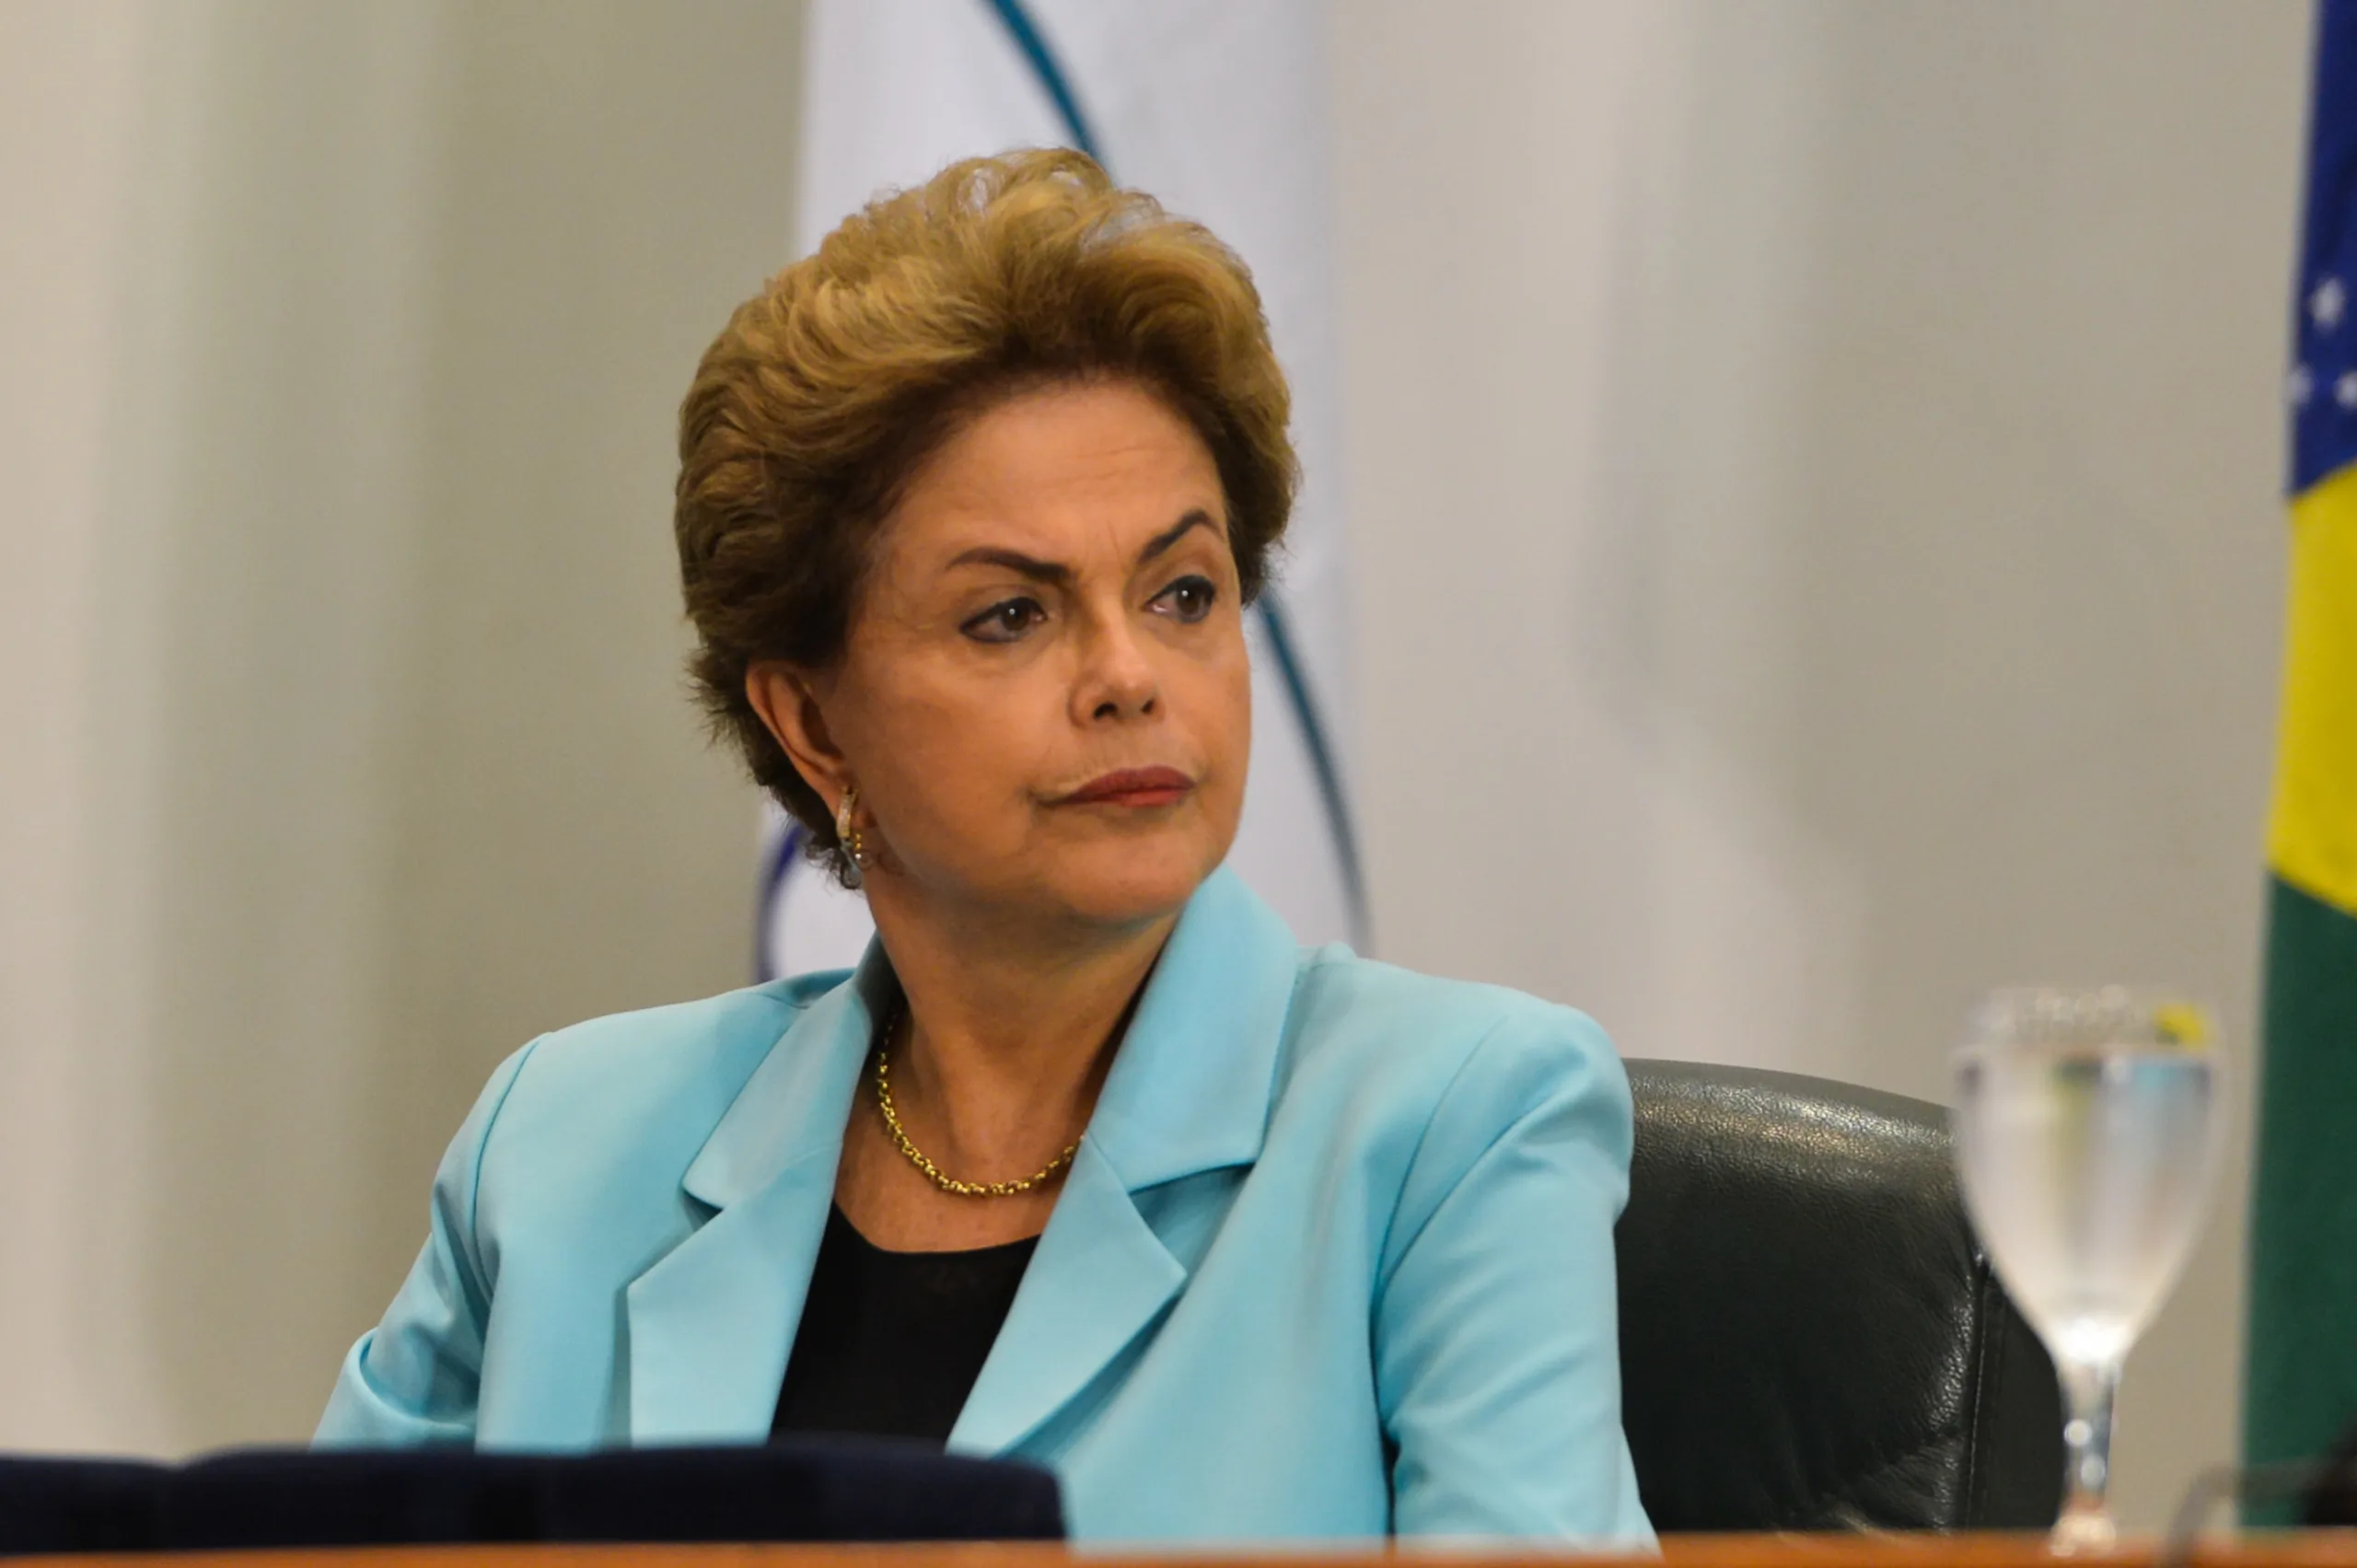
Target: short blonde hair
826, 391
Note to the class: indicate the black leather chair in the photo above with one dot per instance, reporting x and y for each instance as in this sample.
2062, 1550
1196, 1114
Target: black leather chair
1810, 1337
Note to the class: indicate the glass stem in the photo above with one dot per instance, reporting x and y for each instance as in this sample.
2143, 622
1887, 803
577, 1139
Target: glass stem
2088, 1390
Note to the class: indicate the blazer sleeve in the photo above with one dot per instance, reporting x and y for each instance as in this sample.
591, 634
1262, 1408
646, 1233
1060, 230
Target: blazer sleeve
1496, 1335
414, 1378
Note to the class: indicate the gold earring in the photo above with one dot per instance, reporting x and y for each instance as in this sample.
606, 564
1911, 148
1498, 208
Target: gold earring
847, 833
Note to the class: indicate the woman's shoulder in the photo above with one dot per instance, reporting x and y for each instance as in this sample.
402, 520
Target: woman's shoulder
680, 1064
1363, 1029
1346, 1003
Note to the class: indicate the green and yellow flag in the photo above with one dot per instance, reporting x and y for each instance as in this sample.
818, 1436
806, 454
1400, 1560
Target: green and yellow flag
2301, 1388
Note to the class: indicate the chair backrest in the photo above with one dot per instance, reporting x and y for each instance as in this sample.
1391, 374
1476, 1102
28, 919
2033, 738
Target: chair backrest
1810, 1337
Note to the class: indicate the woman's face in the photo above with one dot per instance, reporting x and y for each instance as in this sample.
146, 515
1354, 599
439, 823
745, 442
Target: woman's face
1045, 700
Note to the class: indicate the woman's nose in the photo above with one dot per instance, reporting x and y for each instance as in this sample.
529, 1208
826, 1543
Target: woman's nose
1118, 678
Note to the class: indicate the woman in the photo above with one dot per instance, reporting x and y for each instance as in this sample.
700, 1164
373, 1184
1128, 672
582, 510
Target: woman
1087, 1162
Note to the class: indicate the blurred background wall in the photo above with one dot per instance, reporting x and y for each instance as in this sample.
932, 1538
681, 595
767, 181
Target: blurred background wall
1812, 474
1814, 480
346, 741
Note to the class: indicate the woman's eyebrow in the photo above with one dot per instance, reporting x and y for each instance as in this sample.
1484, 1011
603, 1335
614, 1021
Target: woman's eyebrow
1040, 571
1197, 518
1014, 561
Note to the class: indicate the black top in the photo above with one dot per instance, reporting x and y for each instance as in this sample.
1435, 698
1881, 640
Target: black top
891, 1343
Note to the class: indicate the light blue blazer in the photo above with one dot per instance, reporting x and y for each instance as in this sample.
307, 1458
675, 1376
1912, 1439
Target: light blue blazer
1335, 1256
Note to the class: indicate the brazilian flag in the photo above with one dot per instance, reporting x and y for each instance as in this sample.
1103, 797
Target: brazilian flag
2301, 1392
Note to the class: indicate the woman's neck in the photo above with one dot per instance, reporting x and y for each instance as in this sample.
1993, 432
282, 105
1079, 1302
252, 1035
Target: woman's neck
1010, 1029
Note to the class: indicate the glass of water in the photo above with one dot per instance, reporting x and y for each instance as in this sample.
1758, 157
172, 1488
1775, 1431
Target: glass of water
2087, 1131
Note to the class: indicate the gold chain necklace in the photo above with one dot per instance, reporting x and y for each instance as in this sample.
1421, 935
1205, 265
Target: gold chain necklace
917, 1157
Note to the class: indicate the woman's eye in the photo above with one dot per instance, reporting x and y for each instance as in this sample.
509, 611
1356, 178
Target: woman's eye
1190, 598
1004, 623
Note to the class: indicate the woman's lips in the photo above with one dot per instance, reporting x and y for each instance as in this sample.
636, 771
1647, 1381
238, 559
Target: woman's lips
1132, 786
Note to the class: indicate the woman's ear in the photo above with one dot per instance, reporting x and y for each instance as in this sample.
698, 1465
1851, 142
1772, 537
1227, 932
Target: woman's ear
787, 699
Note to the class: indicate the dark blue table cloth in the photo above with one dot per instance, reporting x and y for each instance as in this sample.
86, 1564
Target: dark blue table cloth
815, 1491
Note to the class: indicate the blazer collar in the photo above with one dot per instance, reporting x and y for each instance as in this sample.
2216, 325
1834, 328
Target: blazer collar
792, 1112
1190, 1090
710, 1323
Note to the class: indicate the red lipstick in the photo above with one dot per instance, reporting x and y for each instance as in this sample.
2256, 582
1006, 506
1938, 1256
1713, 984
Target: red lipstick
1132, 787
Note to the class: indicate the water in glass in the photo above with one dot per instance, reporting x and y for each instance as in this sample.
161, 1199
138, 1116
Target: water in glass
2086, 1136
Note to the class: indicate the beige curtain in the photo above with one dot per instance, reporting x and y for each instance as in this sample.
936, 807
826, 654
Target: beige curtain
345, 743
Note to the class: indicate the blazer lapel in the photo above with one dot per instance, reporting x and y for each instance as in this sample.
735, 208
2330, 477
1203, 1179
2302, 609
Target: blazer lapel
711, 1322
1100, 1276
1189, 1092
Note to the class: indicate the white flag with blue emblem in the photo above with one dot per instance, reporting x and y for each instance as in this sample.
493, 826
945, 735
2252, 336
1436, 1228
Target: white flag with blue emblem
1218, 109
